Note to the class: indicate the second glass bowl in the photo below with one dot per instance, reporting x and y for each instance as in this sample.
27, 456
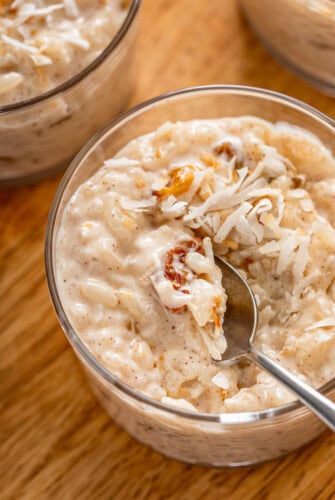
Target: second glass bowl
42, 135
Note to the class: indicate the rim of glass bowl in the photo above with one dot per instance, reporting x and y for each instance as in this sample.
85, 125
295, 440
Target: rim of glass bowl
111, 47
75, 341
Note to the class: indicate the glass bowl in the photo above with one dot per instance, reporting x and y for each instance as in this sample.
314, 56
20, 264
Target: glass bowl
226, 439
41, 135
300, 33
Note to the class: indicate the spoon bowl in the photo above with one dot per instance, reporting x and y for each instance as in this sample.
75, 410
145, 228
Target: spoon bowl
241, 318
240, 326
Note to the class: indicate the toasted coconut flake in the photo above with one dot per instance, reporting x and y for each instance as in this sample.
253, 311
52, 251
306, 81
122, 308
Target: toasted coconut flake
209, 160
233, 245
231, 148
180, 180
140, 183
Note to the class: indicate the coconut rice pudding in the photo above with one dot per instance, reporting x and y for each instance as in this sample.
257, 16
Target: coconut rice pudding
44, 43
135, 259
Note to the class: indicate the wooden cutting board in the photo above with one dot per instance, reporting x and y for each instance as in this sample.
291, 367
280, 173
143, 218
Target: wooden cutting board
56, 441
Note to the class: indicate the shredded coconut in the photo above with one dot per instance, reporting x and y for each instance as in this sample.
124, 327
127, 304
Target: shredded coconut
19, 45
151, 224
71, 8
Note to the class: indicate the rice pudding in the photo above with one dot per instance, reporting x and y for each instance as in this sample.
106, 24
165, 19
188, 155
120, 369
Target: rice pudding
44, 44
135, 266
300, 33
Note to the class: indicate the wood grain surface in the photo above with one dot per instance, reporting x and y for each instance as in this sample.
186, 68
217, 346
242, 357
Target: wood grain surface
56, 441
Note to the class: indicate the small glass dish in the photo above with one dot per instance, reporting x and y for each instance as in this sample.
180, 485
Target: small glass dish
41, 135
226, 439
300, 33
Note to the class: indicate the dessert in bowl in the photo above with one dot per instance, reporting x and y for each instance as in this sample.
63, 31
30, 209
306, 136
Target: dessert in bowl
300, 33
230, 171
66, 69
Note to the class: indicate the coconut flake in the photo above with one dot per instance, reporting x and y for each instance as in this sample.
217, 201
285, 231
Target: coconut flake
271, 247
219, 200
215, 349
172, 207
307, 205
297, 193
19, 45
286, 255
122, 162
254, 175
71, 8
243, 228
274, 162
41, 60
80, 42
222, 380
302, 257
324, 323
262, 206
29, 10
231, 222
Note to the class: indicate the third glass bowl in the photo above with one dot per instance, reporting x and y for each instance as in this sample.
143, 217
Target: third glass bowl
300, 33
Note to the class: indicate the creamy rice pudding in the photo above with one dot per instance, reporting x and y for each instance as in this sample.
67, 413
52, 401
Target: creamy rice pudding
301, 33
135, 266
44, 43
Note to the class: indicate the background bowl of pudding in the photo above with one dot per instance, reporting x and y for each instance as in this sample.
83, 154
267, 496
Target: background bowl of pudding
60, 84
218, 438
300, 34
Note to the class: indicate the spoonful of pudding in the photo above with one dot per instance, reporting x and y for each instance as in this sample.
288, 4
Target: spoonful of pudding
240, 326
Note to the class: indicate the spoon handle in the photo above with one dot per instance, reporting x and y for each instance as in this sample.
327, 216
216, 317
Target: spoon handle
319, 404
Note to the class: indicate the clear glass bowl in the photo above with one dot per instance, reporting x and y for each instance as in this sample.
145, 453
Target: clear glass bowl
41, 135
225, 439
300, 33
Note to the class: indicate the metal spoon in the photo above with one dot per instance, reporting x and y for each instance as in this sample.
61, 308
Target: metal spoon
240, 325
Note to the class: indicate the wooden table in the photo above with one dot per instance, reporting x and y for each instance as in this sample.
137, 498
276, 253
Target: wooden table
56, 441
